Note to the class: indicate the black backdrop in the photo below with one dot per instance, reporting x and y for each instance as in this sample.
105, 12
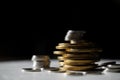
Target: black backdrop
25, 33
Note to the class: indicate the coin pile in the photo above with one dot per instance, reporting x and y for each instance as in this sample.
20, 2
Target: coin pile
40, 62
77, 54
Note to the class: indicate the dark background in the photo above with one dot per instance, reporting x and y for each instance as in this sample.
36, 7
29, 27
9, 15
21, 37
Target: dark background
25, 32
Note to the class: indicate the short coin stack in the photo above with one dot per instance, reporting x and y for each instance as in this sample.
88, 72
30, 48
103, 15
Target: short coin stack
77, 55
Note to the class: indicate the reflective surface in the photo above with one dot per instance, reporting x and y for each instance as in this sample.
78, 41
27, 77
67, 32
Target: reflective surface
12, 70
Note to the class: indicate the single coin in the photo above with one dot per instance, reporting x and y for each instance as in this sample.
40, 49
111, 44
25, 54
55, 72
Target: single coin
30, 70
114, 66
61, 47
78, 62
63, 44
113, 70
107, 63
73, 35
59, 52
40, 58
78, 68
61, 63
81, 42
75, 46
83, 50
60, 58
80, 56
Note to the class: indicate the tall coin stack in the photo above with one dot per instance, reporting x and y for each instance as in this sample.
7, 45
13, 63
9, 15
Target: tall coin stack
77, 54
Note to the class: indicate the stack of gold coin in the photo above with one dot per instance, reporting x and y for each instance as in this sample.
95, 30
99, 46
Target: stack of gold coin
80, 57
77, 54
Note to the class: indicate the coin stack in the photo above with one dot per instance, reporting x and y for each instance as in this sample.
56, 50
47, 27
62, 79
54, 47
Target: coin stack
40, 61
60, 51
77, 54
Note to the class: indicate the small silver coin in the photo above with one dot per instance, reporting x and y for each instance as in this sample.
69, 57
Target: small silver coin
114, 66
107, 63
113, 70
30, 70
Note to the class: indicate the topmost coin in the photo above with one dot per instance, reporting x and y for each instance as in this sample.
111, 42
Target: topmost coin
74, 35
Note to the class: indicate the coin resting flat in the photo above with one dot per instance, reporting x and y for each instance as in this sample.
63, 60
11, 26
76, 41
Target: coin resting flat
30, 70
60, 58
61, 63
59, 52
68, 45
77, 68
83, 50
81, 43
61, 47
80, 56
114, 66
78, 62
63, 44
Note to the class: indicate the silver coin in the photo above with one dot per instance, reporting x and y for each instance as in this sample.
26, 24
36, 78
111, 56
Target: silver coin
107, 63
113, 70
73, 35
40, 58
30, 70
114, 66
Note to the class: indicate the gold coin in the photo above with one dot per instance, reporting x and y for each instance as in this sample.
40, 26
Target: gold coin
61, 47
79, 47
68, 45
61, 63
83, 50
59, 52
71, 45
81, 42
78, 62
62, 69
63, 44
80, 56
60, 58
78, 68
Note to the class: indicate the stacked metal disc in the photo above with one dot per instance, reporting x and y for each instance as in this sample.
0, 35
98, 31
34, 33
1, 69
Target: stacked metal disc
60, 51
77, 54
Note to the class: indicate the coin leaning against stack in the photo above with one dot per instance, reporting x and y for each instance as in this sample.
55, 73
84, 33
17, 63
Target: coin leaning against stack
77, 55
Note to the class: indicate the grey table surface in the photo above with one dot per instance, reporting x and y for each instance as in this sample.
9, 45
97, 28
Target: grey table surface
12, 70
